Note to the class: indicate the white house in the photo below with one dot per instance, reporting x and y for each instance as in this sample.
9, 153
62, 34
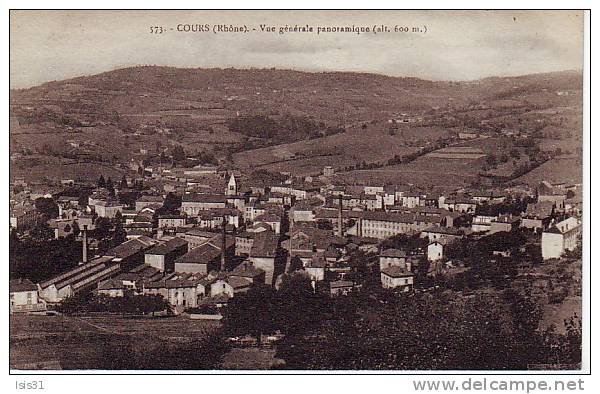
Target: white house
392, 257
24, 296
435, 250
397, 277
561, 237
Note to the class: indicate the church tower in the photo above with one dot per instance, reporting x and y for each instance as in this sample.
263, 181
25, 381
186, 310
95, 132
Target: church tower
231, 186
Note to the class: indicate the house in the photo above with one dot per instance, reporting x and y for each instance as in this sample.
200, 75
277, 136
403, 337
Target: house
372, 202
316, 268
273, 220
505, 223
222, 287
112, 288
239, 284
382, 225
108, 208
389, 195
213, 218
464, 205
435, 233
196, 236
490, 197
201, 170
147, 200
84, 220
411, 199
180, 291
163, 255
252, 210
243, 243
302, 213
548, 193
561, 237
238, 202
206, 257
23, 295
372, 190
248, 271
458, 204
279, 199
341, 287
482, 223
24, 216
538, 216
193, 204
171, 221
395, 277
67, 202
263, 253
435, 250
62, 227
391, 257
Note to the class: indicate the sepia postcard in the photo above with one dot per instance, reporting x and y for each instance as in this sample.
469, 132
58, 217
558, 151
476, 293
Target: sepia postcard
295, 191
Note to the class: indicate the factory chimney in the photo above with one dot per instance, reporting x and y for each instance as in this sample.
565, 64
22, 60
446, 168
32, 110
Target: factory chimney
84, 245
223, 245
340, 220
288, 263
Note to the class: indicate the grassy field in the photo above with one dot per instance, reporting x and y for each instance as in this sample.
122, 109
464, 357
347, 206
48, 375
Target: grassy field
425, 171
82, 342
77, 171
559, 169
373, 144
250, 359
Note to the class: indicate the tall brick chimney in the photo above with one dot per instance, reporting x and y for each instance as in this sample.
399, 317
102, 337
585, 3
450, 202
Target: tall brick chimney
288, 263
223, 245
84, 258
340, 220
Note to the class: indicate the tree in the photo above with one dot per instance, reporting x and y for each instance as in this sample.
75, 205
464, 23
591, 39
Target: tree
171, 204
41, 231
110, 187
75, 229
119, 234
424, 331
298, 308
47, 207
250, 313
178, 154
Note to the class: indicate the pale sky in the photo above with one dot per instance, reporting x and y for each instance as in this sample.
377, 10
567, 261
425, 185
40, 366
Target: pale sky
458, 45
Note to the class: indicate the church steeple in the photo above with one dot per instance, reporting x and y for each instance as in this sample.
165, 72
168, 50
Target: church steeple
231, 186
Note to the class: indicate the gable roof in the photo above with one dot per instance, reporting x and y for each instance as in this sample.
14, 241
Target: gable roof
265, 244
237, 283
18, 285
168, 247
204, 198
248, 270
111, 284
395, 271
131, 247
148, 198
393, 253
